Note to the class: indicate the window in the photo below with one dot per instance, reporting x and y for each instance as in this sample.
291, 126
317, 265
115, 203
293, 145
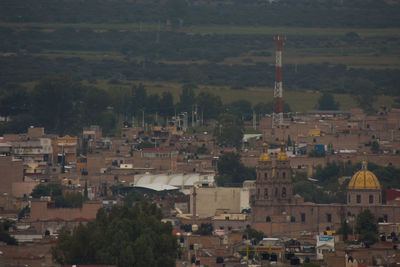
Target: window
349, 198
292, 219
358, 198
283, 174
284, 192
268, 219
266, 193
258, 193
329, 217
303, 217
276, 191
265, 175
385, 218
371, 199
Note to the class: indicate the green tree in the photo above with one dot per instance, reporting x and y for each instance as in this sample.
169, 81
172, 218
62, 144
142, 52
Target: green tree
14, 100
187, 99
367, 226
229, 131
232, 170
51, 190
253, 234
209, 105
54, 104
327, 102
375, 147
123, 236
364, 93
344, 229
138, 99
166, 104
4, 234
241, 109
93, 103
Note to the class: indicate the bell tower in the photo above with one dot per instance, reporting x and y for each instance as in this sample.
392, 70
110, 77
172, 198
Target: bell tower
274, 181
283, 177
264, 177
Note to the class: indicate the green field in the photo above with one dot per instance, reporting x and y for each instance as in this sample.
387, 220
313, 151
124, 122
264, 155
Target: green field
213, 29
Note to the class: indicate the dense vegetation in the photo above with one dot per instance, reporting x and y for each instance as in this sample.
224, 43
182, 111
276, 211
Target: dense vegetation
124, 236
232, 172
4, 233
63, 106
325, 77
62, 200
328, 13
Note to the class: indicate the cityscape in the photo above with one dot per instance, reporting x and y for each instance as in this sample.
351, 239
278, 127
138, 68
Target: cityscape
200, 133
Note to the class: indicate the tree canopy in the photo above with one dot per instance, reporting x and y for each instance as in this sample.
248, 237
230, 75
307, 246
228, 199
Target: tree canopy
229, 131
327, 102
232, 171
124, 236
367, 226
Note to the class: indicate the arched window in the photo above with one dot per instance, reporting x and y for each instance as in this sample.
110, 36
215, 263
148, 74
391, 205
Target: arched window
266, 193
283, 174
283, 191
371, 199
358, 198
268, 219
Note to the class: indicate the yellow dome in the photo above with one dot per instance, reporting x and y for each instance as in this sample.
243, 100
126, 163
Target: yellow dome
264, 155
364, 179
282, 154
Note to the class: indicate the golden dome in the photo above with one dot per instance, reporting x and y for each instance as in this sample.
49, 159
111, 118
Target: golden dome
264, 155
364, 179
282, 154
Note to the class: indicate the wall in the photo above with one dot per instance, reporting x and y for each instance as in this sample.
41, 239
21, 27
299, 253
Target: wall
209, 200
10, 172
40, 212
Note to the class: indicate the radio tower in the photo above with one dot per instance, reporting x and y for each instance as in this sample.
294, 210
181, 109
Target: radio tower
277, 115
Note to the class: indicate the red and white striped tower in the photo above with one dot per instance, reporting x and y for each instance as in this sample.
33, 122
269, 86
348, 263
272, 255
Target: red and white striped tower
277, 115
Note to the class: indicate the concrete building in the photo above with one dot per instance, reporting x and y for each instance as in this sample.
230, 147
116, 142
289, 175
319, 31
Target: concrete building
211, 201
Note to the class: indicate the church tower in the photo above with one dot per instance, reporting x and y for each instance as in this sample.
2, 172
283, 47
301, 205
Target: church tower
274, 181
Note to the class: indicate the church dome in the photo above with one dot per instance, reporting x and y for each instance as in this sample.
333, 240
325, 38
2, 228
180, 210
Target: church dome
264, 155
282, 154
364, 179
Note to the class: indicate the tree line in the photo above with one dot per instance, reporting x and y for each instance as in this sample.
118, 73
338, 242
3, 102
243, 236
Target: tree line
326, 77
182, 46
332, 13
63, 106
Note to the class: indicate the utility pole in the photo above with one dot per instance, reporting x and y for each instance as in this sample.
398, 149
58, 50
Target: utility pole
254, 120
143, 119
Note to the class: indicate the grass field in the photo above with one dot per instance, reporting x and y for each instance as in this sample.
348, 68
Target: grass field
214, 29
